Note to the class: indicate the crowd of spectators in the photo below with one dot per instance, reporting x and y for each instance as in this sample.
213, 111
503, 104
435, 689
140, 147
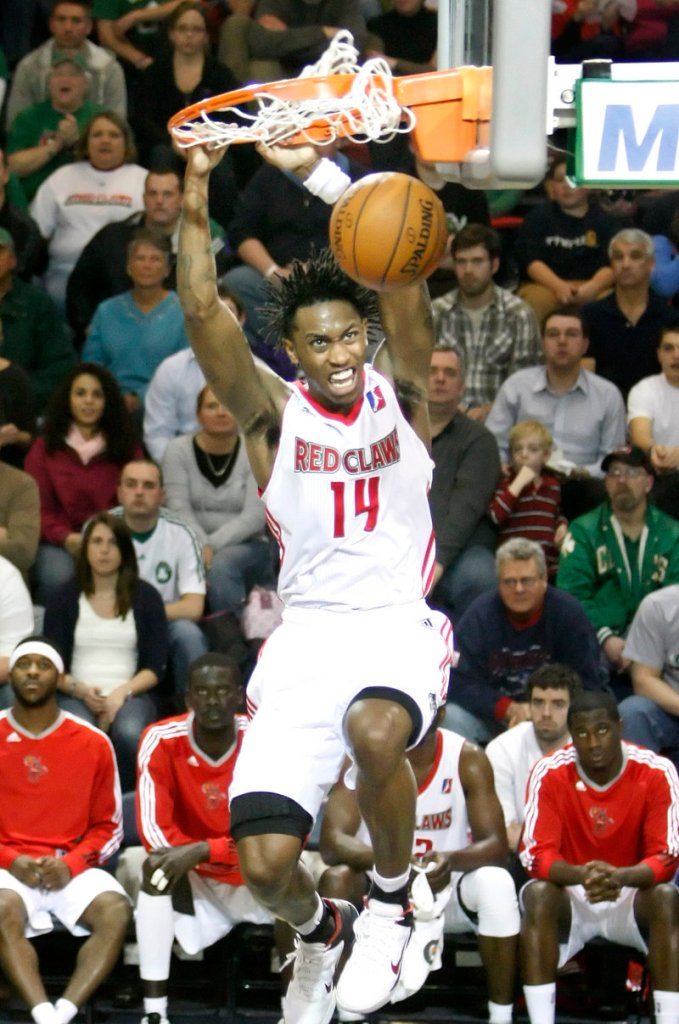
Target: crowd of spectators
128, 512
529, 382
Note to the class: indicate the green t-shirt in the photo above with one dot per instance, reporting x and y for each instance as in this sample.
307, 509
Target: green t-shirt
146, 35
15, 194
35, 126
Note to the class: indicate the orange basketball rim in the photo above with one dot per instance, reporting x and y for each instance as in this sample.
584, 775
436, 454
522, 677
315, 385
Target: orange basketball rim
450, 110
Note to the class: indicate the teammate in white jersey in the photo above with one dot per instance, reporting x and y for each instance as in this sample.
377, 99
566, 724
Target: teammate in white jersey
460, 838
360, 663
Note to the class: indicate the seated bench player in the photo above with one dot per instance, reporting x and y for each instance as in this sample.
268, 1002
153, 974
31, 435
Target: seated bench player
192, 888
60, 819
600, 842
460, 841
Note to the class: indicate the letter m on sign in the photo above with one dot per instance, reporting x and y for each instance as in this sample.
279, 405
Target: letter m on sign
619, 127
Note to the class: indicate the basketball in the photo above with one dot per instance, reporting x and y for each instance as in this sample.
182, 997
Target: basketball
388, 230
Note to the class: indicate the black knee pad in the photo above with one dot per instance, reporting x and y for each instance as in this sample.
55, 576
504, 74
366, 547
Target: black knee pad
257, 814
398, 697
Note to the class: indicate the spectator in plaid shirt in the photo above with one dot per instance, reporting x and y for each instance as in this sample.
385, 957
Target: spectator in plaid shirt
495, 330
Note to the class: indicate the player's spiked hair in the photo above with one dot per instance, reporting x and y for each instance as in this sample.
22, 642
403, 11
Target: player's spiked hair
318, 279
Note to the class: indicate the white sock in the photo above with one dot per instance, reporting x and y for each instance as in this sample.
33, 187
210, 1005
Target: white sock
541, 1002
44, 1013
156, 1005
391, 884
307, 927
65, 1010
500, 1013
666, 1007
154, 921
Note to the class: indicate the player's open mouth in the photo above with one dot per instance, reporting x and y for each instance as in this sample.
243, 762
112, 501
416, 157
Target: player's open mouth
342, 379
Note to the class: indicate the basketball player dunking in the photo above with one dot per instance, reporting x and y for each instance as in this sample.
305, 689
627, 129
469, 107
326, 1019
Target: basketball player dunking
360, 663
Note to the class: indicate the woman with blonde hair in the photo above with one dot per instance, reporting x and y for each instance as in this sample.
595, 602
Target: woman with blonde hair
104, 184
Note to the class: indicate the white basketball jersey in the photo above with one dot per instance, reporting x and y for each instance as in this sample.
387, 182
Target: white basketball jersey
441, 821
347, 503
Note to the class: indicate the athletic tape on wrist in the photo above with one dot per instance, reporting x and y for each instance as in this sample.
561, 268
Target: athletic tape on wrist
327, 181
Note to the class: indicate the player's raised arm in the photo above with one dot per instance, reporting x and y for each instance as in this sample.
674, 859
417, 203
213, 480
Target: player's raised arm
215, 335
405, 311
409, 334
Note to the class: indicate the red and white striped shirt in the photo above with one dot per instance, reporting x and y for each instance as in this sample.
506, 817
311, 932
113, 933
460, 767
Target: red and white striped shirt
634, 819
60, 793
534, 514
183, 795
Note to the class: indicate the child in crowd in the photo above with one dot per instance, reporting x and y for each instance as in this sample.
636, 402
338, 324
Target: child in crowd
527, 501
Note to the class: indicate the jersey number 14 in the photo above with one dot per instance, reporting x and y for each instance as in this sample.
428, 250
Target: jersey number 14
366, 503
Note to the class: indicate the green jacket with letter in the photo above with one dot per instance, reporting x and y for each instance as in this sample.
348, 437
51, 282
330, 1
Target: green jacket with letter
595, 567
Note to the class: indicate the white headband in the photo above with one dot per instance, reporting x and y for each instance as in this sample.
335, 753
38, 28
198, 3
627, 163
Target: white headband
36, 647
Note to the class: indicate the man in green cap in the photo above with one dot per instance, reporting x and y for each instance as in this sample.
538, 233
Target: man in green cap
42, 137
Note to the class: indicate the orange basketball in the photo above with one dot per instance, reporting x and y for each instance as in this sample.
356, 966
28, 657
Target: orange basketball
388, 230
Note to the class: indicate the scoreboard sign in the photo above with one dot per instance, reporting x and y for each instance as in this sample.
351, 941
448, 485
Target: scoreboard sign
627, 134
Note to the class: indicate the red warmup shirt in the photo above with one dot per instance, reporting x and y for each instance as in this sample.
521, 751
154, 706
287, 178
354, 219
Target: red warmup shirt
183, 796
60, 794
633, 820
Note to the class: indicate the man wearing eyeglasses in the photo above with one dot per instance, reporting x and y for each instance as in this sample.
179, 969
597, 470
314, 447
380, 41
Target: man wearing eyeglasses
505, 635
615, 555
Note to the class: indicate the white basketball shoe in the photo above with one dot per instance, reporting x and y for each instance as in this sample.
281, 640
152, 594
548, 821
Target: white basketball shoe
310, 998
371, 973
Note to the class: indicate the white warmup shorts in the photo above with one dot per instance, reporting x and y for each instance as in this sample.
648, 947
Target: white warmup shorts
67, 904
612, 920
218, 908
309, 671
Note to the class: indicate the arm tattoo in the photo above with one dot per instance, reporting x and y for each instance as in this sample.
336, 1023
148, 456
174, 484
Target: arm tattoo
408, 396
264, 422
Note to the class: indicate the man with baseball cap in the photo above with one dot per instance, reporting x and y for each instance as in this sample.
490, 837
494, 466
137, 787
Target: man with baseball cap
60, 818
42, 137
70, 24
615, 555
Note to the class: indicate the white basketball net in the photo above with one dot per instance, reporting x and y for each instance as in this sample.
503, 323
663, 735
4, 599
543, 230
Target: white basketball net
369, 110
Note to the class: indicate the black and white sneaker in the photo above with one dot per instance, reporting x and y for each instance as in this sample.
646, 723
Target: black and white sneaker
310, 998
